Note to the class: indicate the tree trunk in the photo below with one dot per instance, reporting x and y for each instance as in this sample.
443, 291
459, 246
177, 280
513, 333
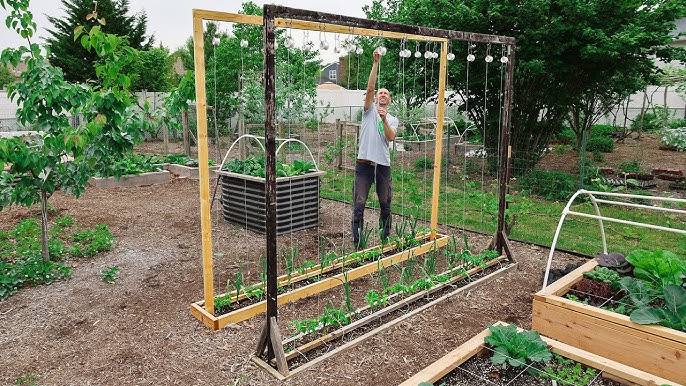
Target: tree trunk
45, 251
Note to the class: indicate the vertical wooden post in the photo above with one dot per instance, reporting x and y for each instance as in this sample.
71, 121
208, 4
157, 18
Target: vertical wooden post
201, 111
165, 138
282, 135
505, 150
270, 171
440, 103
186, 140
241, 142
339, 140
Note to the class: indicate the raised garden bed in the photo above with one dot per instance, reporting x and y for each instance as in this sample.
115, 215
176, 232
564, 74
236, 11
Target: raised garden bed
623, 182
243, 313
143, 179
654, 349
297, 201
190, 172
307, 349
448, 369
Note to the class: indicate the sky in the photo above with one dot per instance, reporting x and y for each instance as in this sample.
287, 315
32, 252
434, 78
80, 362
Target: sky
171, 21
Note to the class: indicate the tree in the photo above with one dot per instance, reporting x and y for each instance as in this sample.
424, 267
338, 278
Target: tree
573, 58
76, 62
237, 73
60, 156
210, 33
152, 70
6, 77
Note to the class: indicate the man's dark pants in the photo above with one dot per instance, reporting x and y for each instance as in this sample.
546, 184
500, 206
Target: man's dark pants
365, 175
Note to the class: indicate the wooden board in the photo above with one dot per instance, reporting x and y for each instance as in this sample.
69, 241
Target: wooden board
360, 339
143, 179
192, 173
313, 271
610, 368
248, 312
654, 349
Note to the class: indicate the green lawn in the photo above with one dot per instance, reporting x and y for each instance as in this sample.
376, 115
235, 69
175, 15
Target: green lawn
468, 205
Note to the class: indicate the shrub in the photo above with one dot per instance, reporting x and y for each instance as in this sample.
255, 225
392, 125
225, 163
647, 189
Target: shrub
677, 123
551, 184
601, 144
566, 136
651, 123
423, 163
561, 149
602, 131
631, 167
598, 156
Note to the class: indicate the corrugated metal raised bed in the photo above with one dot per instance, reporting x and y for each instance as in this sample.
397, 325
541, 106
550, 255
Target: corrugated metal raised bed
243, 190
297, 201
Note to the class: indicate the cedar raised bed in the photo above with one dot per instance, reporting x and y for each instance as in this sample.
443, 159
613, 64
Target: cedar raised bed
143, 179
430, 242
611, 369
654, 349
190, 172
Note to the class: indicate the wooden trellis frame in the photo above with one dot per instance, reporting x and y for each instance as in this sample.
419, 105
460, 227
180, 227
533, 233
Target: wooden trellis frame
279, 16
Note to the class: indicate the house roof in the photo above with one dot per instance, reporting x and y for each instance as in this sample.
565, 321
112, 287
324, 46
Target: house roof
330, 86
680, 27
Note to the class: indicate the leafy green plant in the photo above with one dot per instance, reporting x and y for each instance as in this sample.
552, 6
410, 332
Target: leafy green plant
254, 291
646, 122
603, 274
598, 156
600, 144
254, 166
568, 372
305, 266
633, 166
21, 262
132, 164
375, 299
26, 380
516, 348
675, 138
222, 303
660, 267
237, 281
365, 233
305, 326
562, 149
110, 275
672, 314
423, 163
89, 243
289, 255
551, 184
605, 131
639, 293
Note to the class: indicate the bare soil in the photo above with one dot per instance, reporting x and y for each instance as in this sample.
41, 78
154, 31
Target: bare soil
139, 330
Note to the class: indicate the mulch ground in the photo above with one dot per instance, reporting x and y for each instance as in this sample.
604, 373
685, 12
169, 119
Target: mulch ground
139, 331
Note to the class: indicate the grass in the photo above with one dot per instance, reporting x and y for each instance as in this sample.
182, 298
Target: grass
467, 205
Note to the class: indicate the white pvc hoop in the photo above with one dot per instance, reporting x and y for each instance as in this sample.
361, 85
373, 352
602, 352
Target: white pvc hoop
259, 140
592, 195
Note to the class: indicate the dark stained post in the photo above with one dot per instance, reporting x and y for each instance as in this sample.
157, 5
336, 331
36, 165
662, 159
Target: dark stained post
505, 150
270, 170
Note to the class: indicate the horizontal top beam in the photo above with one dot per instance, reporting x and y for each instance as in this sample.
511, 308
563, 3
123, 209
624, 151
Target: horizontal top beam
378, 27
317, 21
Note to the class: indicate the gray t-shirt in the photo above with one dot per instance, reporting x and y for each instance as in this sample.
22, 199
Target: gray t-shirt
373, 141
